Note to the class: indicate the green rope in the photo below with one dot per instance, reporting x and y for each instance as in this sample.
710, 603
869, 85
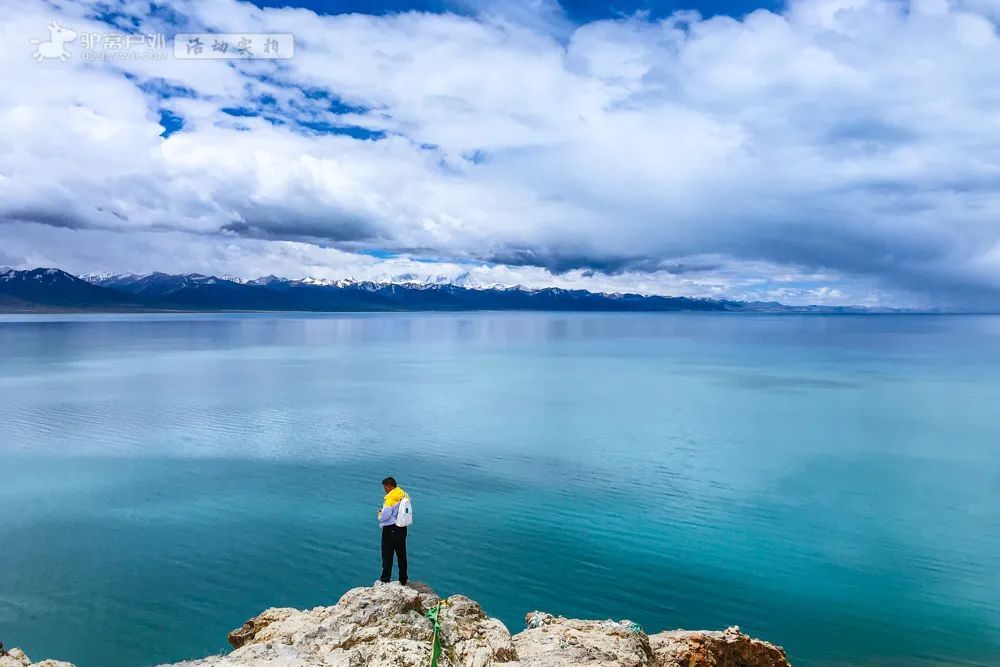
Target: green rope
436, 644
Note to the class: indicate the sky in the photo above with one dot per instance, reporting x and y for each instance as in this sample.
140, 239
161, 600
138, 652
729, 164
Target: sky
813, 151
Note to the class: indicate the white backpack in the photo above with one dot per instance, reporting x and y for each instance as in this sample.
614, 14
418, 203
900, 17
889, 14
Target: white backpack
404, 515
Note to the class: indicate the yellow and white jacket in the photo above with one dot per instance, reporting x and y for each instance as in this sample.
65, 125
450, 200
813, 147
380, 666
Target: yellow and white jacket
390, 507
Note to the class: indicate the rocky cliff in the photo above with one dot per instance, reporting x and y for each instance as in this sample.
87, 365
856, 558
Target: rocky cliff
16, 658
387, 626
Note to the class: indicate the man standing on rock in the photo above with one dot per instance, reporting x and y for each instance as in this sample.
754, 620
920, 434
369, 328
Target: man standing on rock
393, 525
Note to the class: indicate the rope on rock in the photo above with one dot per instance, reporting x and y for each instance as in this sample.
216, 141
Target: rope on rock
434, 615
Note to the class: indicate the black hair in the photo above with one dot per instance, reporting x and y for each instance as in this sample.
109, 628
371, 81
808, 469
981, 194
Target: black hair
391, 481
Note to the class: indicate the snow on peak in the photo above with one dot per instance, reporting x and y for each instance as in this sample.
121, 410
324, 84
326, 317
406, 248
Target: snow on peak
106, 276
266, 280
322, 282
47, 275
410, 280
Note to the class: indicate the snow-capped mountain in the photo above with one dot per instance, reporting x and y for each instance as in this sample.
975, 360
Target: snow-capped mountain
53, 288
390, 292
157, 283
48, 288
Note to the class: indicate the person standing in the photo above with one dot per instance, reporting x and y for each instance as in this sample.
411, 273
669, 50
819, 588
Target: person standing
394, 517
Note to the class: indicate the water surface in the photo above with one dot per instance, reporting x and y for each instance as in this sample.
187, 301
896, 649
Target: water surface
831, 483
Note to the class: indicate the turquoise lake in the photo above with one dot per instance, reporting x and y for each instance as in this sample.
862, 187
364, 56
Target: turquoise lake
829, 483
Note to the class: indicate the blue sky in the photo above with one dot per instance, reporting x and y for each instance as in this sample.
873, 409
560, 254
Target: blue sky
578, 12
819, 151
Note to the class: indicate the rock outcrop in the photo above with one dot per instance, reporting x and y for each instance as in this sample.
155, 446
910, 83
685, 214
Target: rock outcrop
729, 648
382, 626
387, 626
552, 640
16, 658
561, 641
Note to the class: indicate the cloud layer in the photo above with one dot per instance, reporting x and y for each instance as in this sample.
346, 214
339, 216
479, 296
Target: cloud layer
840, 151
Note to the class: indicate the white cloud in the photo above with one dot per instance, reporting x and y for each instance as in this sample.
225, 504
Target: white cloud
843, 150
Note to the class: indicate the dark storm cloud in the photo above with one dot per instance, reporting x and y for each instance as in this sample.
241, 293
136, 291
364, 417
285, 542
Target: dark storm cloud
45, 215
849, 247
561, 260
685, 268
289, 223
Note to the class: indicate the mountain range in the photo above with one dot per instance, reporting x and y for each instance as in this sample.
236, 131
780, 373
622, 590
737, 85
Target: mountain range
47, 289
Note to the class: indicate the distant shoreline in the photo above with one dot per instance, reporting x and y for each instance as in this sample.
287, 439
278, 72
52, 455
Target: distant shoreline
49, 290
215, 311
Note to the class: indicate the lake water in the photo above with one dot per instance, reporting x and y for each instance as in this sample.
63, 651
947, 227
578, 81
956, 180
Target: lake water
831, 483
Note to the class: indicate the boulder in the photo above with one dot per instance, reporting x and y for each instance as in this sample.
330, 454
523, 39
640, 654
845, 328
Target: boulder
385, 625
15, 657
246, 632
381, 626
556, 641
470, 637
729, 648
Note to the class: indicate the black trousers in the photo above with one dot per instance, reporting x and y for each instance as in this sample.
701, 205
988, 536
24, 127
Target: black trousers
393, 542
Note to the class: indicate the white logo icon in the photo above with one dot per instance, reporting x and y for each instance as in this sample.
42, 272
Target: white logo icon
59, 36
